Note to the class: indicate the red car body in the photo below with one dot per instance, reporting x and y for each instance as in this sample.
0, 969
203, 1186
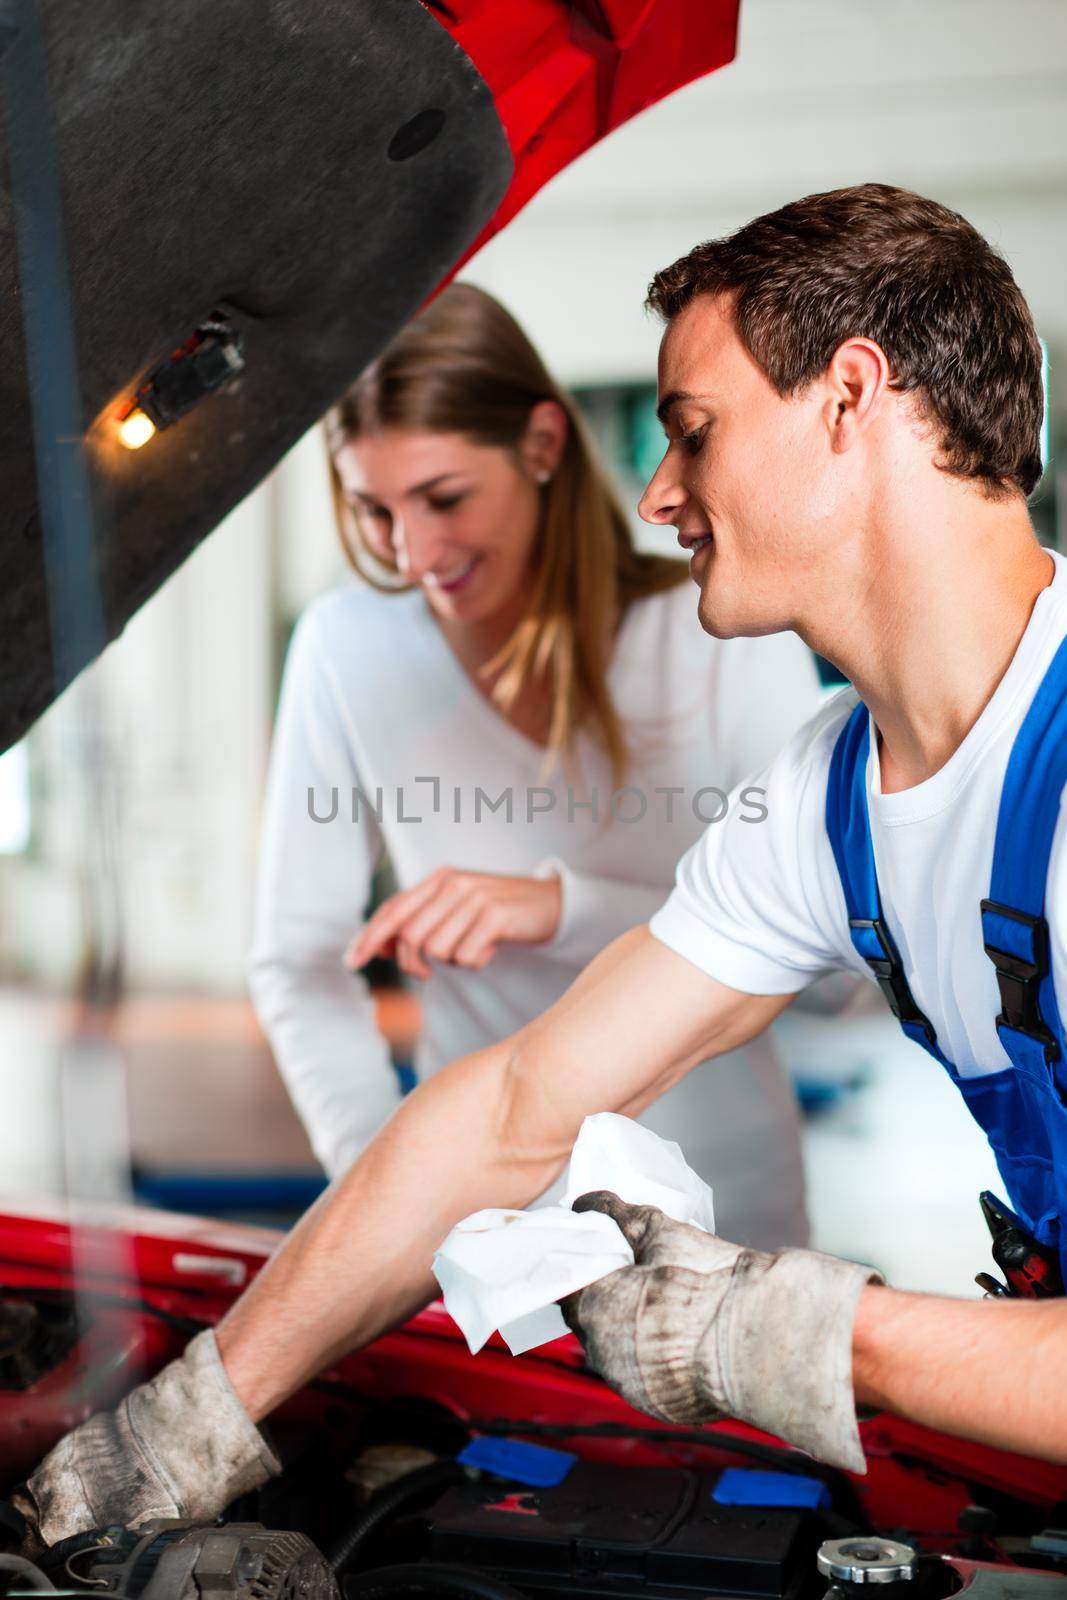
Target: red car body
564, 75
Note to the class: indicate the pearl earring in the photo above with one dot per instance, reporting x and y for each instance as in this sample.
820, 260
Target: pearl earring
544, 475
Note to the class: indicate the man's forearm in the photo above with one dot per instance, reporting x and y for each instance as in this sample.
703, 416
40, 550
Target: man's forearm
492, 1129
994, 1371
358, 1262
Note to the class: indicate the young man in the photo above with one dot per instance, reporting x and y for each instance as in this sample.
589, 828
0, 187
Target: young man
851, 392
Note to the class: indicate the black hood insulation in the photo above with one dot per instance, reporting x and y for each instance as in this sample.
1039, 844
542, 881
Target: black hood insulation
303, 175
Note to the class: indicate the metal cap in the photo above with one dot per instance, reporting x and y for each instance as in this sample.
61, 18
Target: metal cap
863, 1560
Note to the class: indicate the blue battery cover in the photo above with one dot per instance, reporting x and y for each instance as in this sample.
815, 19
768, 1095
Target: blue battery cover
745, 1486
532, 1464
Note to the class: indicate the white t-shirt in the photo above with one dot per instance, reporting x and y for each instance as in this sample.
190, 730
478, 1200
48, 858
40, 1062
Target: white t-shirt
761, 907
375, 701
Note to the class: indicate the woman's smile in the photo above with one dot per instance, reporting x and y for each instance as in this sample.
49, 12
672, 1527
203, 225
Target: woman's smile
453, 578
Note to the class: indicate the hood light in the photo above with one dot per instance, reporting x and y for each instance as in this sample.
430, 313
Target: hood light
135, 429
209, 359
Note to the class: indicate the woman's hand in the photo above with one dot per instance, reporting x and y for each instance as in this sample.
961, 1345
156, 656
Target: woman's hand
458, 917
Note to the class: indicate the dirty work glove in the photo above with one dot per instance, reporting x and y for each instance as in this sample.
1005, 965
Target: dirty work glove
699, 1329
180, 1446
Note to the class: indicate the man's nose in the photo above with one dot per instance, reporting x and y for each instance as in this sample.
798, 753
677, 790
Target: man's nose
664, 495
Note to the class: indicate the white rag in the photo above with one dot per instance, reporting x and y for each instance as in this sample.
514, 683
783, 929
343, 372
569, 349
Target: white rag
507, 1269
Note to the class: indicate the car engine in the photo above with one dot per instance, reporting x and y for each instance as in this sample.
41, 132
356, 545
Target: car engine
417, 1506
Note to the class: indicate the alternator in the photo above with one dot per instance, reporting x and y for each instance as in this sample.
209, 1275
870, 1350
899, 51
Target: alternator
166, 1560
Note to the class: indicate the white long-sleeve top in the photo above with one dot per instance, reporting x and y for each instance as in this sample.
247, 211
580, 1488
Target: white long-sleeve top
383, 743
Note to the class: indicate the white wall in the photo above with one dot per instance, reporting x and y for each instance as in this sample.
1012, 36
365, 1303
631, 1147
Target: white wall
963, 99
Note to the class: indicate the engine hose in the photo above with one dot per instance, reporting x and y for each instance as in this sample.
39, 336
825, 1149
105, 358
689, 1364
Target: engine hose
428, 1577
435, 1478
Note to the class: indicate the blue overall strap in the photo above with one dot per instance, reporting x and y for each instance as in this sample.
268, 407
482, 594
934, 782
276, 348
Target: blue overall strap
1014, 927
849, 828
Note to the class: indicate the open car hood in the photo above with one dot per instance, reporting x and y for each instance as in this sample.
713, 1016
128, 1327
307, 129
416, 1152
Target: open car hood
278, 184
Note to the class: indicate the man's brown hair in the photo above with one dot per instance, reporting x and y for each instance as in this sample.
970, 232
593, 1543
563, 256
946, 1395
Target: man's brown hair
884, 264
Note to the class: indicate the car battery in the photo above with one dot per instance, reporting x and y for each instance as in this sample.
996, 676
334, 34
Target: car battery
607, 1531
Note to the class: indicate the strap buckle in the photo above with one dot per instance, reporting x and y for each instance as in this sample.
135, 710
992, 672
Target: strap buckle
1019, 980
889, 972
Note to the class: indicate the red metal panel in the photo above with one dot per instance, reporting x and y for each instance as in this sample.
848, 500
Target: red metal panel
620, 20
563, 75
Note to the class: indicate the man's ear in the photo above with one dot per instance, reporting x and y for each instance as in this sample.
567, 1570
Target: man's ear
858, 379
545, 439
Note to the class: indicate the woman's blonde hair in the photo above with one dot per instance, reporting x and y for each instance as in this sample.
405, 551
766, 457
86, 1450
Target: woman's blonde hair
463, 365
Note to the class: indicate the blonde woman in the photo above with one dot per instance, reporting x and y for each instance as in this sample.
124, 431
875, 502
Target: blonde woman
524, 714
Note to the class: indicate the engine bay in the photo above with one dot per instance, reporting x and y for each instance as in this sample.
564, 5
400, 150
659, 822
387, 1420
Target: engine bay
418, 1506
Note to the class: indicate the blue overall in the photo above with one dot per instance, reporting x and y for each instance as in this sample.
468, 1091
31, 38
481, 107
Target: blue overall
1023, 1107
